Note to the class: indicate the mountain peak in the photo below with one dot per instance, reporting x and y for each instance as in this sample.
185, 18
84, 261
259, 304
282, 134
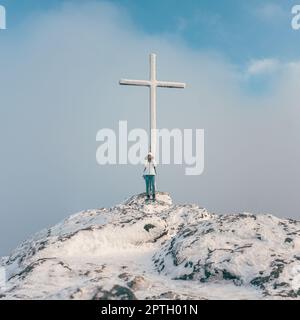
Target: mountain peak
157, 250
163, 201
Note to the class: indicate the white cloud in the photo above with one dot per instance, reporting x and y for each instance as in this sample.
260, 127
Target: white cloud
263, 66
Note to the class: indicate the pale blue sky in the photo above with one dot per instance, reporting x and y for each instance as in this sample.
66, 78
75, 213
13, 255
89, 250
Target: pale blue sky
241, 29
60, 62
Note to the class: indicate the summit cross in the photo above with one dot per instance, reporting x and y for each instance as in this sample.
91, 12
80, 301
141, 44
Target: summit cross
153, 83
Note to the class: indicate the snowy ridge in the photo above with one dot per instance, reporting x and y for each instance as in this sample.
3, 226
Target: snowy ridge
139, 250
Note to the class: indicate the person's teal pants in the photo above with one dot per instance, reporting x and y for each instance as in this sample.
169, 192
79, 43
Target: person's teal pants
150, 185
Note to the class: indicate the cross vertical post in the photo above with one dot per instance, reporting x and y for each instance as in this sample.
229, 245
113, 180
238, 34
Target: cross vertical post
152, 143
152, 84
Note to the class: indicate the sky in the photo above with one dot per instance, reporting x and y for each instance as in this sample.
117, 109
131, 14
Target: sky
60, 62
239, 29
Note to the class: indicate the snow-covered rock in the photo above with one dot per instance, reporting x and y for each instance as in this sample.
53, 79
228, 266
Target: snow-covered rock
140, 250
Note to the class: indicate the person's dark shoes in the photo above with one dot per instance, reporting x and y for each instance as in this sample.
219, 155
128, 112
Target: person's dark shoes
148, 197
154, 198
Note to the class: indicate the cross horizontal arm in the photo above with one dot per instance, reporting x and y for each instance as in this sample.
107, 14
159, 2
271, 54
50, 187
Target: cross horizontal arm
143, 83
166, 84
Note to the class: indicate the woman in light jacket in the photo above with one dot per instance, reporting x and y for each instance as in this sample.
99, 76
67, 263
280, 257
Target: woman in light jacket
149, 176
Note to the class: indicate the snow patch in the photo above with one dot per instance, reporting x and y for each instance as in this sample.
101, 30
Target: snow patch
157, 250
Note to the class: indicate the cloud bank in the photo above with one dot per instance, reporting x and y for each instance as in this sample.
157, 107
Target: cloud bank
59, 86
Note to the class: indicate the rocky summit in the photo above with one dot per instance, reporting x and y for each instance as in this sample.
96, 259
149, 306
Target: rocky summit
160, 250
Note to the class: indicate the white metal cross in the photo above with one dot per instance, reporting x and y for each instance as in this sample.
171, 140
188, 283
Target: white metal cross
152, 83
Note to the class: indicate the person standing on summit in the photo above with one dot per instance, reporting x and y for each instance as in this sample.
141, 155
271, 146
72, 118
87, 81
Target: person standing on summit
149, 176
